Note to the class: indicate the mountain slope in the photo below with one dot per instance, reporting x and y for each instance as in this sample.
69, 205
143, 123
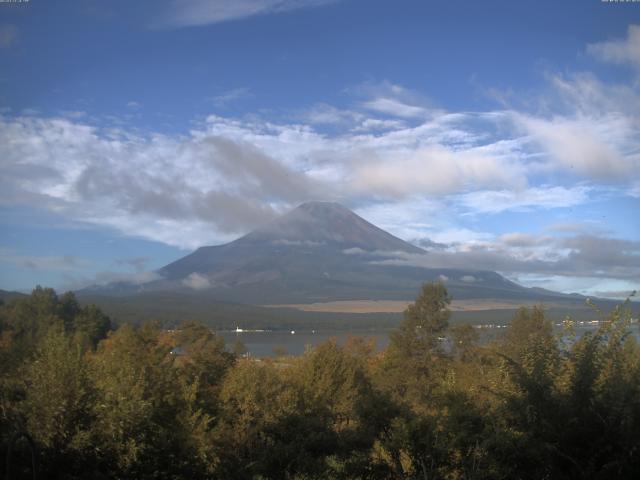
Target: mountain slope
320, 252
312, 228
7, 296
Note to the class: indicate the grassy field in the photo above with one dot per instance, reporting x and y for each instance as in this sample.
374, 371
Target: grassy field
398, 306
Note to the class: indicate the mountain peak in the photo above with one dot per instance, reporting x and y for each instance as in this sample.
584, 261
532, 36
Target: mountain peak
327, 223
324, 212
321, 211
315, 206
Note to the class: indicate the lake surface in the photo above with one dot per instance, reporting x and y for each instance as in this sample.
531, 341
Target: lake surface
266, 343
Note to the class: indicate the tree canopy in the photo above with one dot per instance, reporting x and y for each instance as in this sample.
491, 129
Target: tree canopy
84, 400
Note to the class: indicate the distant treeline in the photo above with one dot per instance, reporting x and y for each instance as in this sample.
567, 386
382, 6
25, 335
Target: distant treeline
82, 400
170, 308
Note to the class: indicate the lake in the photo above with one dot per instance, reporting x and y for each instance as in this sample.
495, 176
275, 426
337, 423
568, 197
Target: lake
265, 343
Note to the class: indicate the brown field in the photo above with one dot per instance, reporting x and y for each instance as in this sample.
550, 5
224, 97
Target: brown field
395, 306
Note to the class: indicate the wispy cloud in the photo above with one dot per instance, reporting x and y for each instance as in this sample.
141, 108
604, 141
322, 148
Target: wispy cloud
325, 114
186, 13
230, 96
394, 107
437, 169
583, 146
617, 294
109, 277
394, 100
623, 51
196, 281
527, 199
517, 253
519, 239
60, 263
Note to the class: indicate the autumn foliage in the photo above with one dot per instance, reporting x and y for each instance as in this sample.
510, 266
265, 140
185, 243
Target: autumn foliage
83, 400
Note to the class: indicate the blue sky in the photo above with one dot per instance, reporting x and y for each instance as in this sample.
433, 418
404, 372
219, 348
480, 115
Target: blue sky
502, 135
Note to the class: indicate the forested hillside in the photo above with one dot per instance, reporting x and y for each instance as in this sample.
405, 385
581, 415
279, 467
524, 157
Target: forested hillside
82, 400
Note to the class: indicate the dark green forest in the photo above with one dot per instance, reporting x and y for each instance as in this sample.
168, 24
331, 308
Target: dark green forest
81, 399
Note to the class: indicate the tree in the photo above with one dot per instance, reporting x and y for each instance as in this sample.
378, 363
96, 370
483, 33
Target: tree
415, 358
255, 398
204, 360
464, 341
598, 390
58, 403
67, 308
138, 396
527, 326
424, 322
91, 324
29, 319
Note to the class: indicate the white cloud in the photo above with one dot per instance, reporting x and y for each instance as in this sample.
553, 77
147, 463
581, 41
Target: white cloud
413, 175
582, 127
437, 170
634, 191
527, 257
626, 51
543, 197
584, 96
584, 146
196, 281
391, 106
354, 251
463, 237
589, 286
370, 124
391, 99
185, 13
163, 188
228, 175
77, 282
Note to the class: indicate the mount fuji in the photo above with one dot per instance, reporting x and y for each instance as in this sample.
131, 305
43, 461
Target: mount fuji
320, 252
